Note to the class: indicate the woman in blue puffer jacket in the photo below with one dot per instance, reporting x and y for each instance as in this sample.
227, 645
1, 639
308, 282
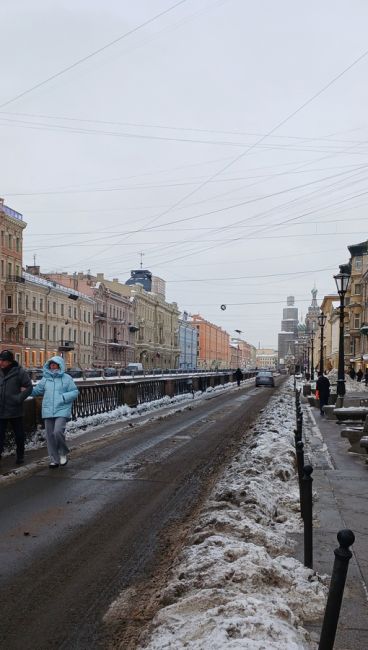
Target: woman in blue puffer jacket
59, 392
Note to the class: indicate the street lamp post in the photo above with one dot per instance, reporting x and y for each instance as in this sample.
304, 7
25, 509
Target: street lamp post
312, 355
322, 322
308, 358
342, 283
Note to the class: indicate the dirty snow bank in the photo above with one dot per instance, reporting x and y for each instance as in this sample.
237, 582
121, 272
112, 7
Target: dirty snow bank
235, 584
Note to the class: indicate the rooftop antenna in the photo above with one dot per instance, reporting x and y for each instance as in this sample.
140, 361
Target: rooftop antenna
141, 254
34, 259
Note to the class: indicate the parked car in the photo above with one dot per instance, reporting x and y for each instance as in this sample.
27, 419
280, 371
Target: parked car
265, 378
90, 373
76, 373
136, 368
35, 373
110, 372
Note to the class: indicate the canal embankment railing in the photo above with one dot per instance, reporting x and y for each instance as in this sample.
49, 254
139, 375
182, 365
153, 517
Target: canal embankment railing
96, 396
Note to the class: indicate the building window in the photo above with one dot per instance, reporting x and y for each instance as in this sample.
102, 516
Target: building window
75, 313
89, 316
9, 302
48, 332
358, 289
10, 269
54, 307
33, 331
34, 305
70, 312
62, 334
41, 331
75, 336
26, 330
89, 338
41, 304
26, 301
10, 239
358, 263
17, 271
17, 244
2, 238
356, 321
54, 333
62, 309
2, 268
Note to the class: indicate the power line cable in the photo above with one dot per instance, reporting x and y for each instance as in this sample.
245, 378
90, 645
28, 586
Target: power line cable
92, 54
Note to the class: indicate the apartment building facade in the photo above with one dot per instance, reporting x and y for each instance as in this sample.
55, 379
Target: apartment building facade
157, 329
188, 335
213, 350
58, 321
12, 290
112, 318
266, 358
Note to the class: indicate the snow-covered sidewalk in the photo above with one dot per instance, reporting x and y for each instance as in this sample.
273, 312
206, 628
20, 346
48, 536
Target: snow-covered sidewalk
237, 584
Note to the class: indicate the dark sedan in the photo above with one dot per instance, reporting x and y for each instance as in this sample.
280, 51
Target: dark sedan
265, 378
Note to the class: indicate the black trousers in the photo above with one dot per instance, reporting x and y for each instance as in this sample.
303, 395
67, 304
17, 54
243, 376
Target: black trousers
16, 424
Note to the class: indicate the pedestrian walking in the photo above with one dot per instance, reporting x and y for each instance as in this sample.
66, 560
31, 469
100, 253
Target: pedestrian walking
15, 387
59, 392
366, 377
323, 387
359, 375
238, 376
352, 373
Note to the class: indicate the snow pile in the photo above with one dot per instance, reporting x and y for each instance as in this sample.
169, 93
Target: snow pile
235, 584
351, 385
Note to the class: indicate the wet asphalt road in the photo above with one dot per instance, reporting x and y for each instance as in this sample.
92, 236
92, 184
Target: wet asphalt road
71, 539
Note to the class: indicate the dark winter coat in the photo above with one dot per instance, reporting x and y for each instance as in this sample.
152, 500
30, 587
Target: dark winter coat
11, 396
323, 387
238, 374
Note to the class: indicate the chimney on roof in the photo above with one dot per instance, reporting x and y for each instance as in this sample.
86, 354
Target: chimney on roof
100, 277
33, 270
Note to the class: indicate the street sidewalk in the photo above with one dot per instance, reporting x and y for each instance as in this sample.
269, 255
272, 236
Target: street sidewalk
340, 481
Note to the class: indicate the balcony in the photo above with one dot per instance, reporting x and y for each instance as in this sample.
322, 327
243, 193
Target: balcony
66, 346
15, 278
100, 314
116, 342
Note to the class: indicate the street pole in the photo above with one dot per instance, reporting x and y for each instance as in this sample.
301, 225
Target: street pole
312, 356
308, 359
322, 322
341, 368
342, 282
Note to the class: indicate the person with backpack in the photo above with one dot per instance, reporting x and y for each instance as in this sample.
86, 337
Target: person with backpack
59, 392
15, 387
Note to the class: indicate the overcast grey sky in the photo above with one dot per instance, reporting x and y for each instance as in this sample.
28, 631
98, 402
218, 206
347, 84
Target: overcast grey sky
166, 143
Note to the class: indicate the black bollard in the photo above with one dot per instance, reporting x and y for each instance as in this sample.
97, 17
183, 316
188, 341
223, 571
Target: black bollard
343, 555
299, 426
307, 502
300, 465
300, 459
